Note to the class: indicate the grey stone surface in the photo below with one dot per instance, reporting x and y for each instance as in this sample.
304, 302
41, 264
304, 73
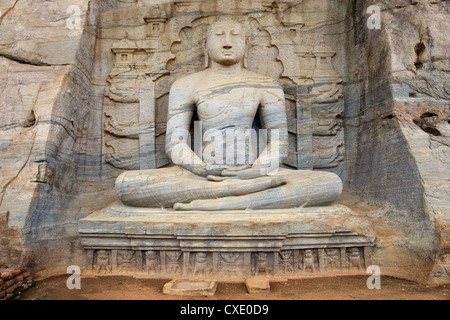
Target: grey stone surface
383, 128
257, 285
188, 287
396, 127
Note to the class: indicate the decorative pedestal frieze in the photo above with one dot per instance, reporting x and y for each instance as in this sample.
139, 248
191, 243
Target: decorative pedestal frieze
227, 245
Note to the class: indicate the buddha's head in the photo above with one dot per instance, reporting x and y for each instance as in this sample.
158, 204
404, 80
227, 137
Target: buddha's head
226, 43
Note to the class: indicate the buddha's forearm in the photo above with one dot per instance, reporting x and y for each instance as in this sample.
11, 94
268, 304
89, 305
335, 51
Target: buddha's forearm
276, 151
181, 154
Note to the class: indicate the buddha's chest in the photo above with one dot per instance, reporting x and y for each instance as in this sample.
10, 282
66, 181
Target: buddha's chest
227, 103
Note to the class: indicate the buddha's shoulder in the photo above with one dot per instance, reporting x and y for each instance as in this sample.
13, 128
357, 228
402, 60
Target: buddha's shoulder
196, 79
261, 79
190, 80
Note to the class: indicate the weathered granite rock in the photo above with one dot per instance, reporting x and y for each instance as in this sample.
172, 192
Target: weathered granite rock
257, 285
190, 288
381, 125
397, 129
50, 159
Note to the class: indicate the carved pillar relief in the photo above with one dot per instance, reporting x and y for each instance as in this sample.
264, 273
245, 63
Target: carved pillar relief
318, 93
130, 98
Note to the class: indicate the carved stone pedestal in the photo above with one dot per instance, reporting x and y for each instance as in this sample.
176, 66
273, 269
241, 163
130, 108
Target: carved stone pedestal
226, 245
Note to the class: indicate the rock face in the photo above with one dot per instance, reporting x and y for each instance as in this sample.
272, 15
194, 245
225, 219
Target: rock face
89, 102
51, 133
398, 130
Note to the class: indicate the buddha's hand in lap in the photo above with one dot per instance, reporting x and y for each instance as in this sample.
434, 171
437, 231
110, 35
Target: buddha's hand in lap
207, 170
243, 173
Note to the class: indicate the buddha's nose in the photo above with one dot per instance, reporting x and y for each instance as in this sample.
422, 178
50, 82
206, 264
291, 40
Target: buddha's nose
227, 44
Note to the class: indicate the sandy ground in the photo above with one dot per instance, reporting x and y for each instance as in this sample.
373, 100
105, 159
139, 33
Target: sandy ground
339, 288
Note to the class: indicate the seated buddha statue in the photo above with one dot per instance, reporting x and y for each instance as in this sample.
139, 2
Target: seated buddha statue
227, 172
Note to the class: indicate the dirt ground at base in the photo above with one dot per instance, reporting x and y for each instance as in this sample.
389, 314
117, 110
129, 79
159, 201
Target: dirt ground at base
337, 288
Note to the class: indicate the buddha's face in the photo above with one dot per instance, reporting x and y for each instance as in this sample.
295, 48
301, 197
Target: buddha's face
226, 43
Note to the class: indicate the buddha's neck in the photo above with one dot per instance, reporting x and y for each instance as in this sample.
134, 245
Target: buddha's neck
225, 69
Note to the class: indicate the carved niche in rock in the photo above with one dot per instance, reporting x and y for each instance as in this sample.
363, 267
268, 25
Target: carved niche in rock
171, 45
